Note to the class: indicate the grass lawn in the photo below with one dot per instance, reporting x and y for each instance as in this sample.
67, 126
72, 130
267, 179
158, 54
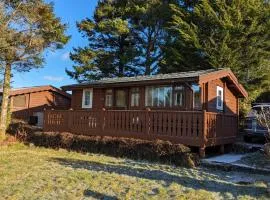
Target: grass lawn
39, 173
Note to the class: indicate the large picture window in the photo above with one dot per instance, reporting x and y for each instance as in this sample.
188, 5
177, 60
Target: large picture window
135, 97
87, 98
109, 98
158, 96
121, 98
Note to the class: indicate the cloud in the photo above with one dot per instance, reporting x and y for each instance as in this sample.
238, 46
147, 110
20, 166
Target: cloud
65, 56
54, 78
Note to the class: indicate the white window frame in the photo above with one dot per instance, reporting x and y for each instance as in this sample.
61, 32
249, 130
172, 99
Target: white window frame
220, 89
109, 98
160, 90
179, 90
90, 100
135, 97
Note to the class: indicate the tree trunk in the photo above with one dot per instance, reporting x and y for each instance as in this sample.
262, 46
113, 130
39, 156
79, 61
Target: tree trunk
5, 102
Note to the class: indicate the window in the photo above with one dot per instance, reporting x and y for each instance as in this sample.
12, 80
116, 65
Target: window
158, 96
179, 92
19, 101
87, 98
219, 98
196, 96
109, 98
135, 97
120, 98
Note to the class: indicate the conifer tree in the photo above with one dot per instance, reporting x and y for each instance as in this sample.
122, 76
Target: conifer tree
110, 51
228, 34
125, 38
149, 19
27, 28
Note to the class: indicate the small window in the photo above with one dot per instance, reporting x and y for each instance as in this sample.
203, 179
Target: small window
196, 96
109, 98
135, 97
87, 98
179, 92
19, 101
219, 98
120, 98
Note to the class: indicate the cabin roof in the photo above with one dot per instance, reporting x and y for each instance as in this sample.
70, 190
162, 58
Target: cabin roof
26, 90
200, 76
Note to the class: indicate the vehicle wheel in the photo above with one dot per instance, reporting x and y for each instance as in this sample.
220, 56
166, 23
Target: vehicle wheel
247, 138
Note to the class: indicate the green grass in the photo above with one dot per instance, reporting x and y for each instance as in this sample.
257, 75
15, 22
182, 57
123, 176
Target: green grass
39, 173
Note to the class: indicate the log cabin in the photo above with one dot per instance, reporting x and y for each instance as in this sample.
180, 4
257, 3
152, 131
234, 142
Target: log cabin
196, 108
31, 101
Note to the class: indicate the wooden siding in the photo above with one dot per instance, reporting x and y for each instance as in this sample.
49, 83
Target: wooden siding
99, 100
37, 102
193, 128
230, 100
208, 98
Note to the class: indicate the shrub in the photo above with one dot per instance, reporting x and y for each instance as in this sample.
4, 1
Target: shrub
264, 119
161, 151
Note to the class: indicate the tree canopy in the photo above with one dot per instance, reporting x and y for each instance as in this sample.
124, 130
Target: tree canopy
134, 37
27, 28
125, 38
227, 34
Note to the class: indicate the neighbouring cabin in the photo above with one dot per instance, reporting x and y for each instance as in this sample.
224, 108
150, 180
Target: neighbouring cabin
198, 108
31, 101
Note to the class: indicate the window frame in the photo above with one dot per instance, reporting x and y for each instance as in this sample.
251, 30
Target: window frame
135, 97
157, 88
194, 95
109, 92
220, 107
176, 90
125, 98
90, 100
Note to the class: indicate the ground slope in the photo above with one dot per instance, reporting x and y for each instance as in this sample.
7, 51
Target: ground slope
39, 173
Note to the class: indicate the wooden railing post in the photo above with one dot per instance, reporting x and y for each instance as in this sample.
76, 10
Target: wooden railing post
148, 122
102, 120
45, 120
204, 135
70, 120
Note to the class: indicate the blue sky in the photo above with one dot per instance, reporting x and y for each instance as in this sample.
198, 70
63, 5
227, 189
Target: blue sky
53, 72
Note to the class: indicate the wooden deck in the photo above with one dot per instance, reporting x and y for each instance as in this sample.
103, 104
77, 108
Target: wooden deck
192, 128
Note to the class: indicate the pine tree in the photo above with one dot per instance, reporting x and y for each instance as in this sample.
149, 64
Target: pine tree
149, 19
125, 37
27, 28
228, 34
110, 51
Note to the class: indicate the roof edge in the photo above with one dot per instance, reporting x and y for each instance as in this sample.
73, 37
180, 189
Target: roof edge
19, 91
221, 74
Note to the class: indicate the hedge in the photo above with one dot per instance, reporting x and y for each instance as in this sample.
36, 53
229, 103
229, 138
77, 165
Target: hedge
158, 151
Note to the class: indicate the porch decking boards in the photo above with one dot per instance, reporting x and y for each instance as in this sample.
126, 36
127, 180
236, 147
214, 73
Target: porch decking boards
193, 128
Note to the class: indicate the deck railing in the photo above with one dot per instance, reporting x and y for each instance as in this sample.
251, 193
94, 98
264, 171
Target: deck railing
194, 128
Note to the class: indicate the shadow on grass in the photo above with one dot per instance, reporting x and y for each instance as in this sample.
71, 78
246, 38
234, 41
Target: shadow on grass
97, 195
187, 178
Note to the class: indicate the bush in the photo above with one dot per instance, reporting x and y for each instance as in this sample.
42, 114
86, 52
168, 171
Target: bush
161, 151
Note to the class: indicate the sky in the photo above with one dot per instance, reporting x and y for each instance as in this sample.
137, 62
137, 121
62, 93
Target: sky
53, 71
